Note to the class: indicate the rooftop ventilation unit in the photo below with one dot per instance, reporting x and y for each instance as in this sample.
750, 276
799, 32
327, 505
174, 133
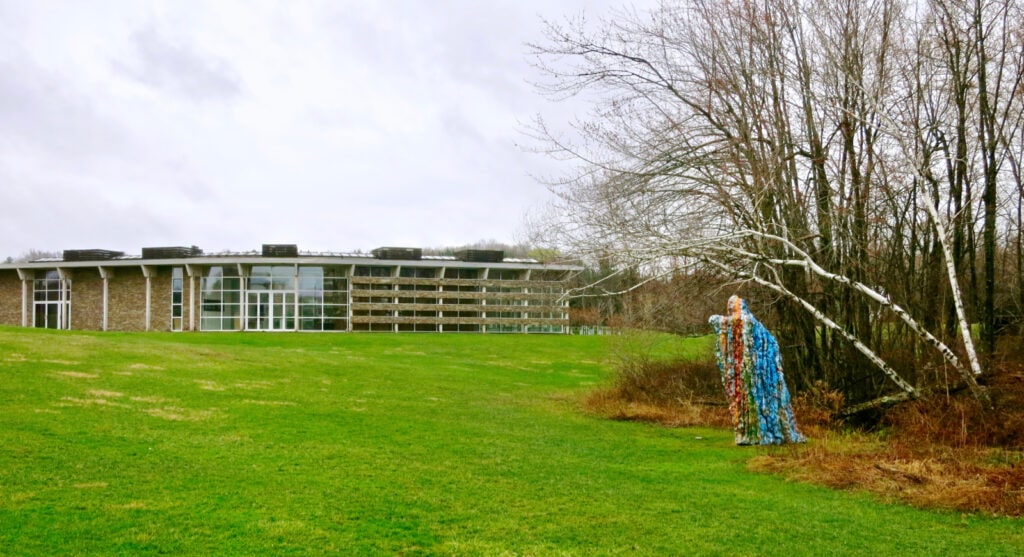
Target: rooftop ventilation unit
480, 255
90, 254
280, 250
171, 252
414, 254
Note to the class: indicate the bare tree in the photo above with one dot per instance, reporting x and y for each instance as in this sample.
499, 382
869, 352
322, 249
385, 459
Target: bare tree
819, 150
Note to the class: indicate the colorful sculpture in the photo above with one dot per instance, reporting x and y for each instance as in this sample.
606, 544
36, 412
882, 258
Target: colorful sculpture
751, 367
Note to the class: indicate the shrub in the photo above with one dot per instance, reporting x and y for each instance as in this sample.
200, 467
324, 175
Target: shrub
675, 392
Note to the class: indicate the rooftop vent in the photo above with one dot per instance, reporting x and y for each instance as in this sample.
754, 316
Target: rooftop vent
414, 254
171, 252
280, 250
480, 255
90, 254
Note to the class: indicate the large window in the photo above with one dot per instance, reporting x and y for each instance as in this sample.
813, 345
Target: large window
177, 293
51, 301
270, 298
323, 299
221, 309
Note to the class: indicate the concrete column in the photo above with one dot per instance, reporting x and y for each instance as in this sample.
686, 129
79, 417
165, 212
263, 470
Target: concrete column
26, 294
148, 273
105, 274
64, 313
190, 271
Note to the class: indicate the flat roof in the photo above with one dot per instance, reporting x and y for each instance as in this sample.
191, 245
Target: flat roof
255, 258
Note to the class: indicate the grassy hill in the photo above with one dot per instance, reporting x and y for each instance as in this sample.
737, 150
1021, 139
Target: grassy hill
246, 444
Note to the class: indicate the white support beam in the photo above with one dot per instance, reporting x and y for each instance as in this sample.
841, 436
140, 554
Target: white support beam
440, 314
64, 319
295, 301
105, 274
147, 272
190, 271
26, 293
348, 295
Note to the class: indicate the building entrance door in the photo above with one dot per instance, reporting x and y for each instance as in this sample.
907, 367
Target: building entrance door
270, 311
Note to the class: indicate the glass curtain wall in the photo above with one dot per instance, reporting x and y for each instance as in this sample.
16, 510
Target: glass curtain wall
323, 299
221, 309
274, 298
51, 301
270, 298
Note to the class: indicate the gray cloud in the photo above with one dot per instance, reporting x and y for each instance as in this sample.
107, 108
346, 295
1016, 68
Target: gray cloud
42, 110
179, 69
231, 123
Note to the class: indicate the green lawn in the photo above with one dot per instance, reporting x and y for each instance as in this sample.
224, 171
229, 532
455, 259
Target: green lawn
260, 444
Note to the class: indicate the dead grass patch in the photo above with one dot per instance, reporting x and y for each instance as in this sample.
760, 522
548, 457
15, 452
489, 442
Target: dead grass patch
151, 399
131, 506
967, 479
269, 402
208, 385
78, 374
145, 366
91, 485
74, 401
179, 414
99, 393
254, 384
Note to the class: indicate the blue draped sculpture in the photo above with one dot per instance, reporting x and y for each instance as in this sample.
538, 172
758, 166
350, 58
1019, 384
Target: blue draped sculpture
751, 368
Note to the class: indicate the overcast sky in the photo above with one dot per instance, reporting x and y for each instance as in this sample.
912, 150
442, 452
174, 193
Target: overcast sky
334, 125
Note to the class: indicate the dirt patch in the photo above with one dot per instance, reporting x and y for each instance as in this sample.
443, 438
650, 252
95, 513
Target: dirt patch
62, 362
15, 358
91, 485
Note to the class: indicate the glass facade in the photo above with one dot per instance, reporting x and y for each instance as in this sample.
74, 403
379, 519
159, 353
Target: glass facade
51, 306
220, 299
323, 299
274, 298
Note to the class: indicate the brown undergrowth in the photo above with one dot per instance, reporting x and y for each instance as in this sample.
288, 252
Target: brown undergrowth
674, 393
946, 452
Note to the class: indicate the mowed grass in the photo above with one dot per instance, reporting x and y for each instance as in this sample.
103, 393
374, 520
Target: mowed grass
260, 444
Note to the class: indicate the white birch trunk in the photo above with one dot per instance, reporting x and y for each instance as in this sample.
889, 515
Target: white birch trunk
825, 320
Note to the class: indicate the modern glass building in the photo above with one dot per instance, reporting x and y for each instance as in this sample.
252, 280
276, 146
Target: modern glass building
279, 289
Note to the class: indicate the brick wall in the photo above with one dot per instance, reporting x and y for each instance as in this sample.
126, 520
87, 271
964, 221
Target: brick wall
161, 302
86, 299
126, 300
10, 298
